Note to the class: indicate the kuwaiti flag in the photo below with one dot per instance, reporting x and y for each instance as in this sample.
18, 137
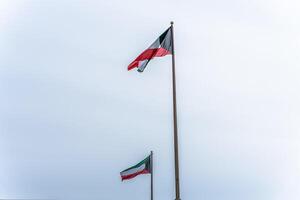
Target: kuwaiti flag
161, 47
143, 167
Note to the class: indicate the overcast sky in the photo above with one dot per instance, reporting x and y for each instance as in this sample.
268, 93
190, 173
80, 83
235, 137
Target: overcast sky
72, 117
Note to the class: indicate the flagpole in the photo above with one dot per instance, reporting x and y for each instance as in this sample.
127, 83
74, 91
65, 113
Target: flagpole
151, 167
177, 186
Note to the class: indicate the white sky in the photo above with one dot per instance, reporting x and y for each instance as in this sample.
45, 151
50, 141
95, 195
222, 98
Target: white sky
72, 117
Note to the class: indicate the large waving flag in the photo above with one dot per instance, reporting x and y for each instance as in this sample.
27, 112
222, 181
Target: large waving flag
161, 47
143, 167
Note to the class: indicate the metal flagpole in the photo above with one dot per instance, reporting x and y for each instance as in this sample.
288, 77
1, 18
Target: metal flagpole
151, 167
175, 119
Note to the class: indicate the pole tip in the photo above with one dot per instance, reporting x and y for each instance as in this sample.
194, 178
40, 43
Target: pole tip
171, 22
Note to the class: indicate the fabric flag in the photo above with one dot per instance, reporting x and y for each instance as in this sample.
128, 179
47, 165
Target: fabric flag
161, 47
143, 167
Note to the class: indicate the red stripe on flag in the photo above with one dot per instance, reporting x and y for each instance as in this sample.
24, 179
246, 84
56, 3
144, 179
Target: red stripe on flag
130, 176
148, 54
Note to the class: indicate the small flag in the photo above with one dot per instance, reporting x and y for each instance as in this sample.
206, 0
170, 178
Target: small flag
161, 47
143, 167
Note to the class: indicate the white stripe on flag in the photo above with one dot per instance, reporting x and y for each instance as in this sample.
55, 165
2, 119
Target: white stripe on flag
134, 170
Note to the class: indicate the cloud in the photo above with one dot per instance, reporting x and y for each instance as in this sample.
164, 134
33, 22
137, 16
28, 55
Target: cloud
72, 117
